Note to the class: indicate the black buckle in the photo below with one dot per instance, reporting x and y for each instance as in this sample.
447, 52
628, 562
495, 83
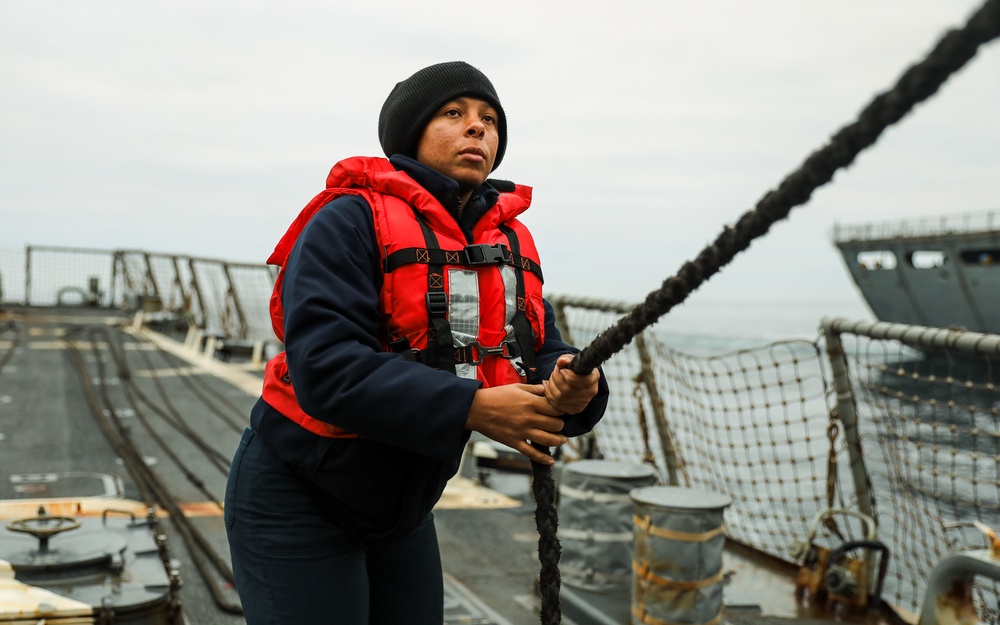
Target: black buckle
412, 354
474, 352
437, 303
482, 254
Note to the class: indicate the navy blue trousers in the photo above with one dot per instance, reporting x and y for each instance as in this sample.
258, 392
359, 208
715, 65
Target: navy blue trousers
294, 565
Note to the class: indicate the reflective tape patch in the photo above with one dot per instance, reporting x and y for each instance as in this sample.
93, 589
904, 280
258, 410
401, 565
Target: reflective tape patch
509, 276
463, 313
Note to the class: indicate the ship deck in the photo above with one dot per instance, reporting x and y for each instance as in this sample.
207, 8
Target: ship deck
83, 390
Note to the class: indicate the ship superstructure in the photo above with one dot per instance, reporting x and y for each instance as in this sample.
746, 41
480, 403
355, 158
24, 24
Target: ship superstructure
938, 271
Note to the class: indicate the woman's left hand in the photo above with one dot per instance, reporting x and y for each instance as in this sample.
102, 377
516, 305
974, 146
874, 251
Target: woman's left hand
567, 391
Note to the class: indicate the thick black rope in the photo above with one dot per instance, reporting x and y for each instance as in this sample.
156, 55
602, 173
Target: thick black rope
543, 487
917, 83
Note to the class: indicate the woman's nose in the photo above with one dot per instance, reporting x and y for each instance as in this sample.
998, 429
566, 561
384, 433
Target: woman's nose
476, 129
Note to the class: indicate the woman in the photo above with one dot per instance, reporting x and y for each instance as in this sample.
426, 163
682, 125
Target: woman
409, 302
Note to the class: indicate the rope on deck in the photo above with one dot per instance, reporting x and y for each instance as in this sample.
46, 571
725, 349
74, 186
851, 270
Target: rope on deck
918, 82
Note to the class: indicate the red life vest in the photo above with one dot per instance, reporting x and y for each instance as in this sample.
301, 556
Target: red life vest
473, 309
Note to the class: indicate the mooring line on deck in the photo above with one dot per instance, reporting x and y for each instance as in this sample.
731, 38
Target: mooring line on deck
918, 82
152, 489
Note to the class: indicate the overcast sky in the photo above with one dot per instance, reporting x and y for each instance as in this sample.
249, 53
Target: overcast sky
203, 127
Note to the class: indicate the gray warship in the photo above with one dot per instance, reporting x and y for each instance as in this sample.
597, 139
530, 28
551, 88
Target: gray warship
940, 271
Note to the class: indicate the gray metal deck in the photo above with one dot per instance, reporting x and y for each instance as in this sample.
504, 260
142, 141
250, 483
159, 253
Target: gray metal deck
184, 412
184, 416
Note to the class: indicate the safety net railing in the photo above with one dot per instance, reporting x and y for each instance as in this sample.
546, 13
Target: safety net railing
772, 428
753, 424
929, 417
44, 276
225, 299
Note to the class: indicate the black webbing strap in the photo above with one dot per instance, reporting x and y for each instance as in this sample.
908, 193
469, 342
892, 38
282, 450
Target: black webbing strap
439, 341
471, 255
522, 327
471, 354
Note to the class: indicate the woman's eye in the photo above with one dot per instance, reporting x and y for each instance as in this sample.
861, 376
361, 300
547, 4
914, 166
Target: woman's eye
452, 113
489, 119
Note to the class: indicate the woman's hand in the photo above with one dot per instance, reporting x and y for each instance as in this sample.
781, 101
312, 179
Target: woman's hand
567, 391
515, 414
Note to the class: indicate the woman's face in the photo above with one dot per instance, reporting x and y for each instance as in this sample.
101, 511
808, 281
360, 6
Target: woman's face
461, 141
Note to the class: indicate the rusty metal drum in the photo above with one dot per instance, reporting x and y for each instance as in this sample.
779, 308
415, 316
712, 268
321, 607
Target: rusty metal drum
595, 523
677, 558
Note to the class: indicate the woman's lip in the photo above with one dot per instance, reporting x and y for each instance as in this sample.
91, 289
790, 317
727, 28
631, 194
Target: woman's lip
476, 152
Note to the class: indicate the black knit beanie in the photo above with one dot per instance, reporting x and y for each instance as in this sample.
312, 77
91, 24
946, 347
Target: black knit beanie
412, 102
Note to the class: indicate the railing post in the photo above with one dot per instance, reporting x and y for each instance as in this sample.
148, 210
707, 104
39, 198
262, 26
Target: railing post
112, 288
196, 290
150, 277
234, 296
179, 285
27, 276
127, 277
848, 416
649, 380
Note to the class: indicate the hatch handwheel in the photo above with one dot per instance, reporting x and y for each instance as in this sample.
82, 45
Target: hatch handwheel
43, 527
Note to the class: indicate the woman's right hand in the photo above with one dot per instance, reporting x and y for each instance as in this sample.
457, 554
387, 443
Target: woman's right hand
515, 414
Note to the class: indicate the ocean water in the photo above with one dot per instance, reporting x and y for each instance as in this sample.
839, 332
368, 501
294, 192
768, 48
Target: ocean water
726, 325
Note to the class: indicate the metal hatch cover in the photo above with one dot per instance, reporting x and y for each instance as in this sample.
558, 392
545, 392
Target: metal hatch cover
75, 551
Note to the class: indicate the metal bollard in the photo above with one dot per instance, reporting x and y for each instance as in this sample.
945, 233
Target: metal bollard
677, 563
595, 522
